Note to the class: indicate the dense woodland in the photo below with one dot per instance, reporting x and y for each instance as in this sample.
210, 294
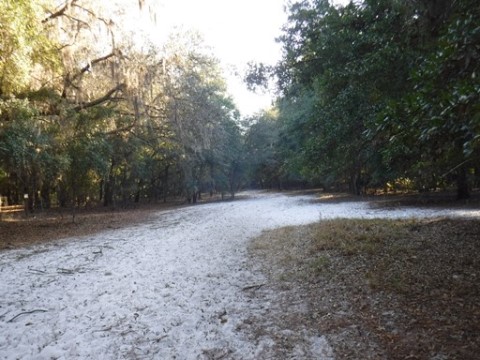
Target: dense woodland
380, 94
88, 116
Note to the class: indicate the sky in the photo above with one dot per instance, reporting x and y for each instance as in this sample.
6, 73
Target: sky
239, 32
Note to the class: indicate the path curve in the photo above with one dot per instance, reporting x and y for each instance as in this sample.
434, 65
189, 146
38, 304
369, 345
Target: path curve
174, 287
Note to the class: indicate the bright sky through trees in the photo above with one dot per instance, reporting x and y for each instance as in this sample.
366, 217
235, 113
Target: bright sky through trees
237, 31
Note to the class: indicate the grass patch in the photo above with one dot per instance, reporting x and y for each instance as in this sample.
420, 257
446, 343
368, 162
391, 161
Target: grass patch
385, 288
320, 264
353, 237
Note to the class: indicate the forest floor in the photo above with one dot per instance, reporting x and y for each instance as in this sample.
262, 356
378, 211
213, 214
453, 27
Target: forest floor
398, 288
18, 230
384, 288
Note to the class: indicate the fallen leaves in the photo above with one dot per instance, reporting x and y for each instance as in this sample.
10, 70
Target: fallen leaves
53, 225
396, 289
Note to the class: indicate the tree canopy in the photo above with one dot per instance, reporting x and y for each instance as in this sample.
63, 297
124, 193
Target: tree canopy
374, 94
87, 116
380, 93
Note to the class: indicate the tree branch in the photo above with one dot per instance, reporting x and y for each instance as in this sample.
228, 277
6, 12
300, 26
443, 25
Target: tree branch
107, 22
100, 100
69, 81
59, 12
91, 63
122, 129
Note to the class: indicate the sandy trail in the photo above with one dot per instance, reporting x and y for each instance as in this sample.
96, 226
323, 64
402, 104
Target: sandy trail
173, 287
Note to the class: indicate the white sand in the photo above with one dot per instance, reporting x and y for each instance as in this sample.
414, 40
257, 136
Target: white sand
167, 289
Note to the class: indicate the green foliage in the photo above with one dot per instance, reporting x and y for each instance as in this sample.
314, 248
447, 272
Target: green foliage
262, 142
348, 61
435, 125
126, 126
381, 90
24, 44
28, 146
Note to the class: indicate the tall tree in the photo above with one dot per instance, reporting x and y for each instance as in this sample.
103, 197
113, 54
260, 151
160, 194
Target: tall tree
197, 105
381, 90
262, 145
435, 125
349, 60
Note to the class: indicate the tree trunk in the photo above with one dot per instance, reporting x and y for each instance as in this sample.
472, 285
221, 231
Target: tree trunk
165, 184
100, 190
109, 187
137, 193
463, 191
354, 185
46, 200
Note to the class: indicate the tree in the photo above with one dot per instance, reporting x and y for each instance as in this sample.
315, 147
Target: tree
345, 62
88, 116
262, 146
380, 90
197, 107
28, 152
438, 117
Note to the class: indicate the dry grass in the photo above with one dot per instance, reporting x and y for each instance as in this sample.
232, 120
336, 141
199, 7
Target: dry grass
396, 289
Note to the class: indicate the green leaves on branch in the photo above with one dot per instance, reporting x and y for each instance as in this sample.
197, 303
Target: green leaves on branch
394, 91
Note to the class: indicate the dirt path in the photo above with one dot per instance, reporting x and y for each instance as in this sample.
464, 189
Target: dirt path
178, 286
175, 287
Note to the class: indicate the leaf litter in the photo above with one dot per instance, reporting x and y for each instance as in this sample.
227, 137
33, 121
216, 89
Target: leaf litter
383, 289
